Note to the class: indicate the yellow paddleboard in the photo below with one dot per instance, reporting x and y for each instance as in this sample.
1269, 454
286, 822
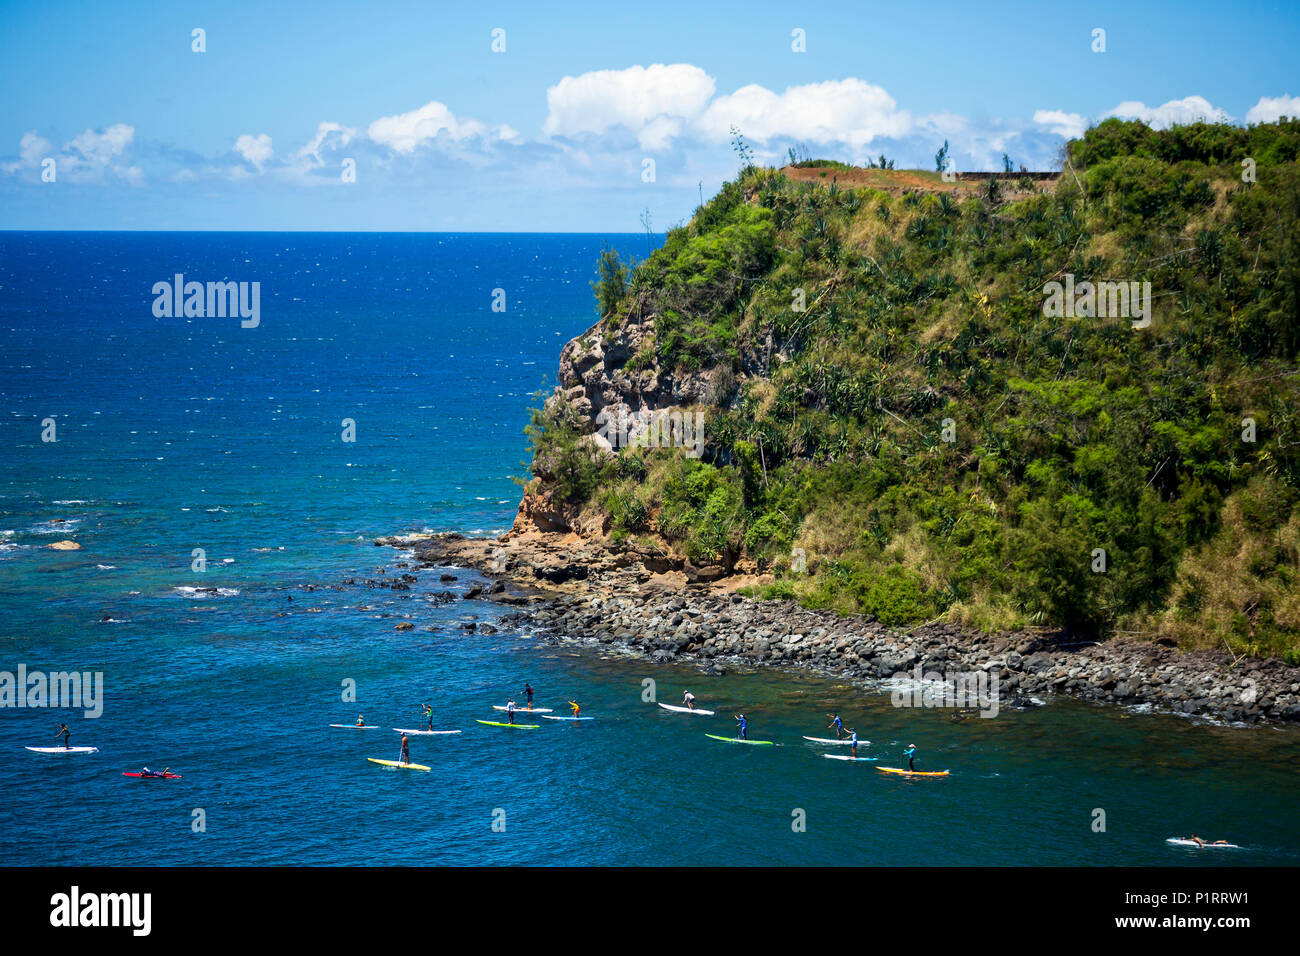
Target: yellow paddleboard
400, 766
914, 773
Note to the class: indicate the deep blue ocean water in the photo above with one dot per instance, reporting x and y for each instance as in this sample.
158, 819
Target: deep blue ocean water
175, 434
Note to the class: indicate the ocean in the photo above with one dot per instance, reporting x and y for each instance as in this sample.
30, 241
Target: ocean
226, 533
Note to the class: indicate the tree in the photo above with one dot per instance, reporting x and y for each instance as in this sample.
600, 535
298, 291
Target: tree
645, 224
612, 283
742, 149
941, 158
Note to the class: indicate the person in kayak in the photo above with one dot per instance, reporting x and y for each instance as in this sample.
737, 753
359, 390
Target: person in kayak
576, 708
428, 716
65, 734
688, 699
528, 689
742, 728
510, 709
910, 754
406, 750
836, 724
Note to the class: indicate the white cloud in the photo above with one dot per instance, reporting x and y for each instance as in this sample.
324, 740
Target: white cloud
1190, 109
99, 149
336, 134
89, 157
1269, 108
255, 149
405, 131
654, 102
1068, 125
837, 111
32, 148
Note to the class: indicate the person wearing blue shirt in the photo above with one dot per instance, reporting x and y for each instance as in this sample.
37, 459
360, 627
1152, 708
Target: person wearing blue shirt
837, 724
743, 728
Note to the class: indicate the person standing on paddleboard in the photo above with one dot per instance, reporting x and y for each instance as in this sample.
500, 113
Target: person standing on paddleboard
428, 716
510, 709
406, 750
743, 729
576, 708
853, 743
836, 724
65, 734
528, 689
910, 754
689, 700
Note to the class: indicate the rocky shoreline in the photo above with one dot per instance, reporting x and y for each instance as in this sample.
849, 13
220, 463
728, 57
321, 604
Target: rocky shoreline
653, 604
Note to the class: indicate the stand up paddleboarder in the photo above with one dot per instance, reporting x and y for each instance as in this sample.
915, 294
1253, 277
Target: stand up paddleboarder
836, 724
742, 728
910, 754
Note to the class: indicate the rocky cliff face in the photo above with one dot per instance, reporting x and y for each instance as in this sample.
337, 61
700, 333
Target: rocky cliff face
610, 373
611, 379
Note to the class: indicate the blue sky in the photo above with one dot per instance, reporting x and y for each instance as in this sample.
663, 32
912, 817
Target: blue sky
553, 134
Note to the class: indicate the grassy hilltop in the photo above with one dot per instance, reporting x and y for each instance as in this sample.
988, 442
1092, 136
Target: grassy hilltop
933, 442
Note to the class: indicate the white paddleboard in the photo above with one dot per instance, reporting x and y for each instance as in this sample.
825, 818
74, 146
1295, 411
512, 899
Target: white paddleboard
524, 710
827, 740
355, 727
64, 750
846, 757
549, 717
686, 710
1179, 841
423, 733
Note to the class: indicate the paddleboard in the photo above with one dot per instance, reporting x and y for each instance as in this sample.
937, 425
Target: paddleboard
548, 717
914, 773
152, 776
399, 766
64, 750
525, 710
847, 757
423, 733
1179, 841
355, 727
737, 740
500, 723
686, 710
827, 740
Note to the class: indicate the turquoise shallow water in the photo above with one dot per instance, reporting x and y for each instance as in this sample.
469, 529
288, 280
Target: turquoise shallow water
182, 434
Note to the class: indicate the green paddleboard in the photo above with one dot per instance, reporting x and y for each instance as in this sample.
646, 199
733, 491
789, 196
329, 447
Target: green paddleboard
737, 740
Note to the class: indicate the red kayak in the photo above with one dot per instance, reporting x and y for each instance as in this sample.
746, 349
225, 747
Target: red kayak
152, 776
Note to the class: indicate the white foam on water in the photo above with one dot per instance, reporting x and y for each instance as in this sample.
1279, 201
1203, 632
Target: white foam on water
193, 592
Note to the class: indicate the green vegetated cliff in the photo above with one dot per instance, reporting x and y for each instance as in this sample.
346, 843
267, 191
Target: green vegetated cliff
894, 424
